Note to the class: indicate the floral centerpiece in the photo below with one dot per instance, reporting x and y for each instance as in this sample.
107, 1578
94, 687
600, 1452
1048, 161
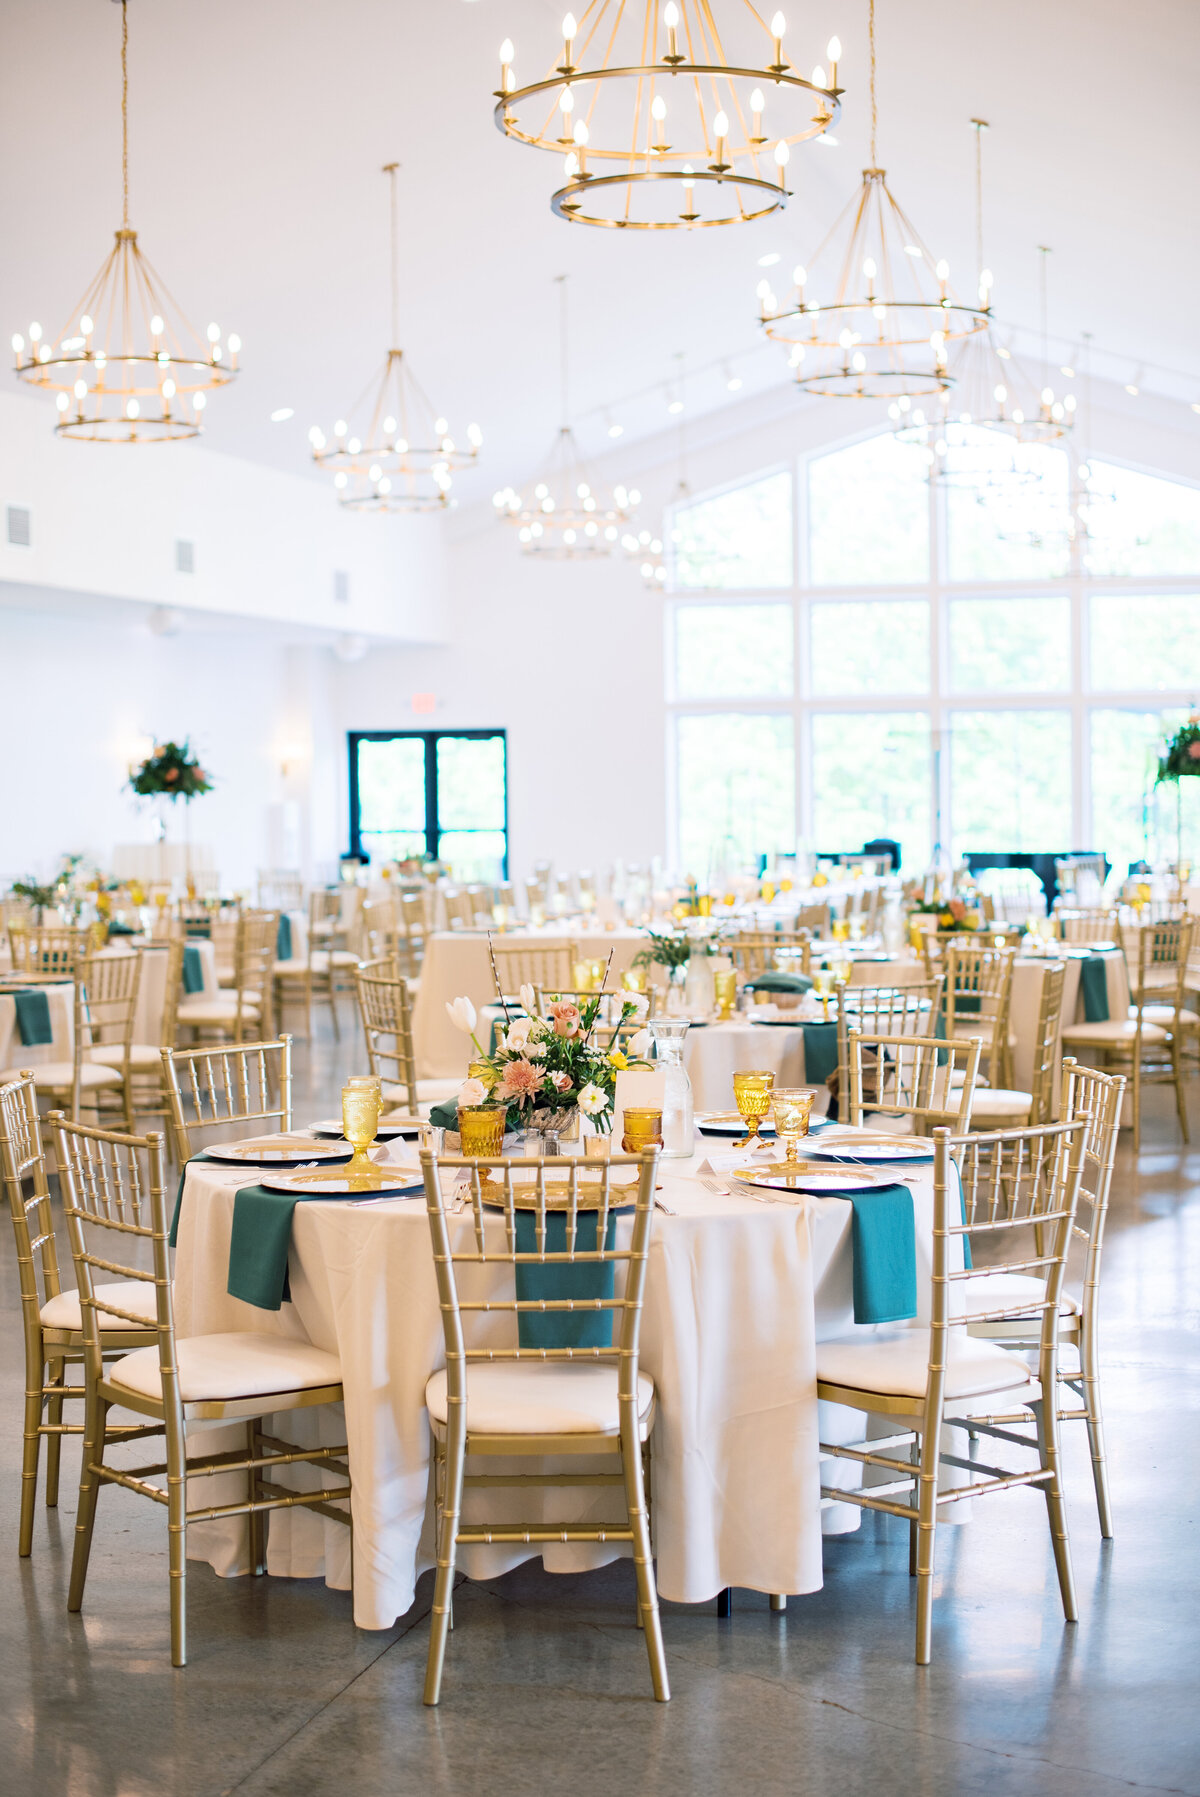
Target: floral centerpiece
1181, 754
548, 1071
951, 914
171, 772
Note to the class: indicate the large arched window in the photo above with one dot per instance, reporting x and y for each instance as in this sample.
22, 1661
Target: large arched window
853, 653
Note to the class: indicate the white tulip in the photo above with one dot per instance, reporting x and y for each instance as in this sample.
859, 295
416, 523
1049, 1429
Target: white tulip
635, 1002
529, 1001
462, 1015
638, 1047
518, 1035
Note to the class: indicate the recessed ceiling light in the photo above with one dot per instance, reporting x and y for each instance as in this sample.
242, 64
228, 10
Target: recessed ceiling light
1131, 389
1069, 372
769, 260
676, 405
283, 414
734, 384
615, 430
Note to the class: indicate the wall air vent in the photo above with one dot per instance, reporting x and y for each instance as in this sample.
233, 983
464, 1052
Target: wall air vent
341, 587
185, 557
20, 527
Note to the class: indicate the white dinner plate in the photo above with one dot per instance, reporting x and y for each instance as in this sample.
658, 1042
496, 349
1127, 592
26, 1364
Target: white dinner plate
278, 1151
729, 1123
807, 1179
386, 1131
869, 1147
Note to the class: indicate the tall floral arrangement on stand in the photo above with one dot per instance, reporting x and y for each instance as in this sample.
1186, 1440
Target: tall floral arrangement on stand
172, 773
1180, 760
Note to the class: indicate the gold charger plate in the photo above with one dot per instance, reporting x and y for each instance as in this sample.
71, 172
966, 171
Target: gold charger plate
558, 1191
779, 1176
875, 1146
400, 1180
278, 1150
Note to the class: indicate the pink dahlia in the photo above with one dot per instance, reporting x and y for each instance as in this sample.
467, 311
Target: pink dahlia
521, 1080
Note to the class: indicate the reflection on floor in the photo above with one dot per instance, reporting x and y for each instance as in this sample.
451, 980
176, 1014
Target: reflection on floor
546, 1684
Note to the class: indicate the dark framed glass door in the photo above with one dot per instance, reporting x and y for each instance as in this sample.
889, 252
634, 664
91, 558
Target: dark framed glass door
431, 792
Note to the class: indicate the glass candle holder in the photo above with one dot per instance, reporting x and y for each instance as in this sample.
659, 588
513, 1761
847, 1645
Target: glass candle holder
643, 1129
791, 1108
752, 1095
597, 1148
725, 992
481, 1127
360, 1121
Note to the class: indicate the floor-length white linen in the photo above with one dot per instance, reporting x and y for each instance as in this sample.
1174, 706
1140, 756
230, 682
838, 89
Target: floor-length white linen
737, 1294
714, 1053
14, 1055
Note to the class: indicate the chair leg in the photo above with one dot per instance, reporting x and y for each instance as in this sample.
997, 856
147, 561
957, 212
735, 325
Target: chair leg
926, 1533
1056, 1510
1180, 1103
643, 1559
56, 1369
1090, 1383
35, 1373
1137, 1102
177, 1542
439, 1621
914, 1455
94, 1436
257, 1518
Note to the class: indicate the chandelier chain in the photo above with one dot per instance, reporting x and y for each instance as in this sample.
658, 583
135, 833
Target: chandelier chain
562, 350
125, 114
980, 127
1044, 251
874, 107
389, 169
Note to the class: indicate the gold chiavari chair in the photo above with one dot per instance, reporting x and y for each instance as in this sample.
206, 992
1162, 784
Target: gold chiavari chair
589, 1400
1007, 1107
977, 1001
317, 973
115, 1203
380, 927
145, 1058
923, 1081
816, 919
1150, 1039
51, 1321
1094, 1099
385, 1008
882, 1011
81, 1081
211, 1088
551, 967
280, 889
925, 1380
753, 951
1091, 924
245, 1008
460, 908
410, 942
53, 951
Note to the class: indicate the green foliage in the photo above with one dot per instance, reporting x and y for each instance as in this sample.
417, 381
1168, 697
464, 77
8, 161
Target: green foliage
172, 771
1182, 754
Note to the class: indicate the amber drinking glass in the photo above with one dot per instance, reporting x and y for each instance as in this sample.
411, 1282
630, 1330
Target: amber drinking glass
360, 1121
481, 1127
791, 1108
725, 991
752, 1095
643, 1129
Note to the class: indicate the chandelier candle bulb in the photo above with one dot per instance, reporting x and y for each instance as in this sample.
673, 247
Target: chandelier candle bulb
671, 21
778, 28
757, 104
834, 52
569, 29
721, 131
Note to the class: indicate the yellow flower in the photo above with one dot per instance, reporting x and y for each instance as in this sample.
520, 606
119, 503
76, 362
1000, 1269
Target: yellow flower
618, 1060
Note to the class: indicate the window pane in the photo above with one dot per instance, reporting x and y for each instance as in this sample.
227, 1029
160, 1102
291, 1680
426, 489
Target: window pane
871, 778
728, 651
1132, 820
1016, 528
1145, 644
736, 785
474, 854
470, 775
1010, 645
1011, 780
871, 646
391, 797
742, 538
1139, 524
868, 512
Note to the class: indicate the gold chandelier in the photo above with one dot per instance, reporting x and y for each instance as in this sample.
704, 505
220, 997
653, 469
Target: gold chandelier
665, 119
127, 367
406, 458
887, 328
570, 516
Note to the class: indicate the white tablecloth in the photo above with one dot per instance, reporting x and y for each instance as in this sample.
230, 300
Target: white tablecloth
713, 1055
738, 1293
15, 1057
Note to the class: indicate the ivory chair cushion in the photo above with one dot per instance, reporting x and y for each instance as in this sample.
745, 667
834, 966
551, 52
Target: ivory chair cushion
340, 957
1116, 1031
980, 1295
1000, 1101
512, 1397
237, 1365
143, 1056
1164, 1016
215, 1010
59, 1076
65, 1311
896, 1362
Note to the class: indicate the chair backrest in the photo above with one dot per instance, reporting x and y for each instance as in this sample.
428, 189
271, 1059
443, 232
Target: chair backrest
280, 889
531, 965
386, 1012
114, 1197
254, 954
110, 985
460, 908
1045, 1045
1087, 924
209, 1088
1160, 966
977, 997
1095, 1099
911, 1076
814, 918
883, 1011
22, 1166
52, 951
172, 990
487, 1249
753, 951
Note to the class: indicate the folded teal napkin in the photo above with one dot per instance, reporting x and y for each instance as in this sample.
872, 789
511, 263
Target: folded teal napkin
593, 1280
820, 1052
884, 1241
193, 968
445, 1114
116, 928
283, 938
1093, 979
780, 982
260, 1239
33, 1018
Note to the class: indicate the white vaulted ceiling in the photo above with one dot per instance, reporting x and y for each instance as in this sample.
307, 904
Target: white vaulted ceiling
258, 128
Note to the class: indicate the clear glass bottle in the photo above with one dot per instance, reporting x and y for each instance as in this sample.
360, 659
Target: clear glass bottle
667, 1034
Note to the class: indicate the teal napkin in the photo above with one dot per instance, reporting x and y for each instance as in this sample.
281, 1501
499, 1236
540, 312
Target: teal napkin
33, 1018
820, 1052
283, 938
780, 982
193, 968
445, 1114
592, 1280
1093, 978
261, 1237
117, 928
884, 1241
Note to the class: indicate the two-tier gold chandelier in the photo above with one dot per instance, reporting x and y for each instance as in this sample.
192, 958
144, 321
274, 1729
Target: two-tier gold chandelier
665, 119
887, 326
569, 516
127, 367
405, 458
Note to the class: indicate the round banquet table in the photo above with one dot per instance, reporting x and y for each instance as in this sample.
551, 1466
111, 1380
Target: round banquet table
714, 1053
738, 1294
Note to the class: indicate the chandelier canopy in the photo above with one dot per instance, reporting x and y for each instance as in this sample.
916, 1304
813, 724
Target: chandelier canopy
665, 118
569, 515
127, 367
405, 459
872, 315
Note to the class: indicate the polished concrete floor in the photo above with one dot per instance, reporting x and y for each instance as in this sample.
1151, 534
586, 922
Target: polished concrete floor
546, 1686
